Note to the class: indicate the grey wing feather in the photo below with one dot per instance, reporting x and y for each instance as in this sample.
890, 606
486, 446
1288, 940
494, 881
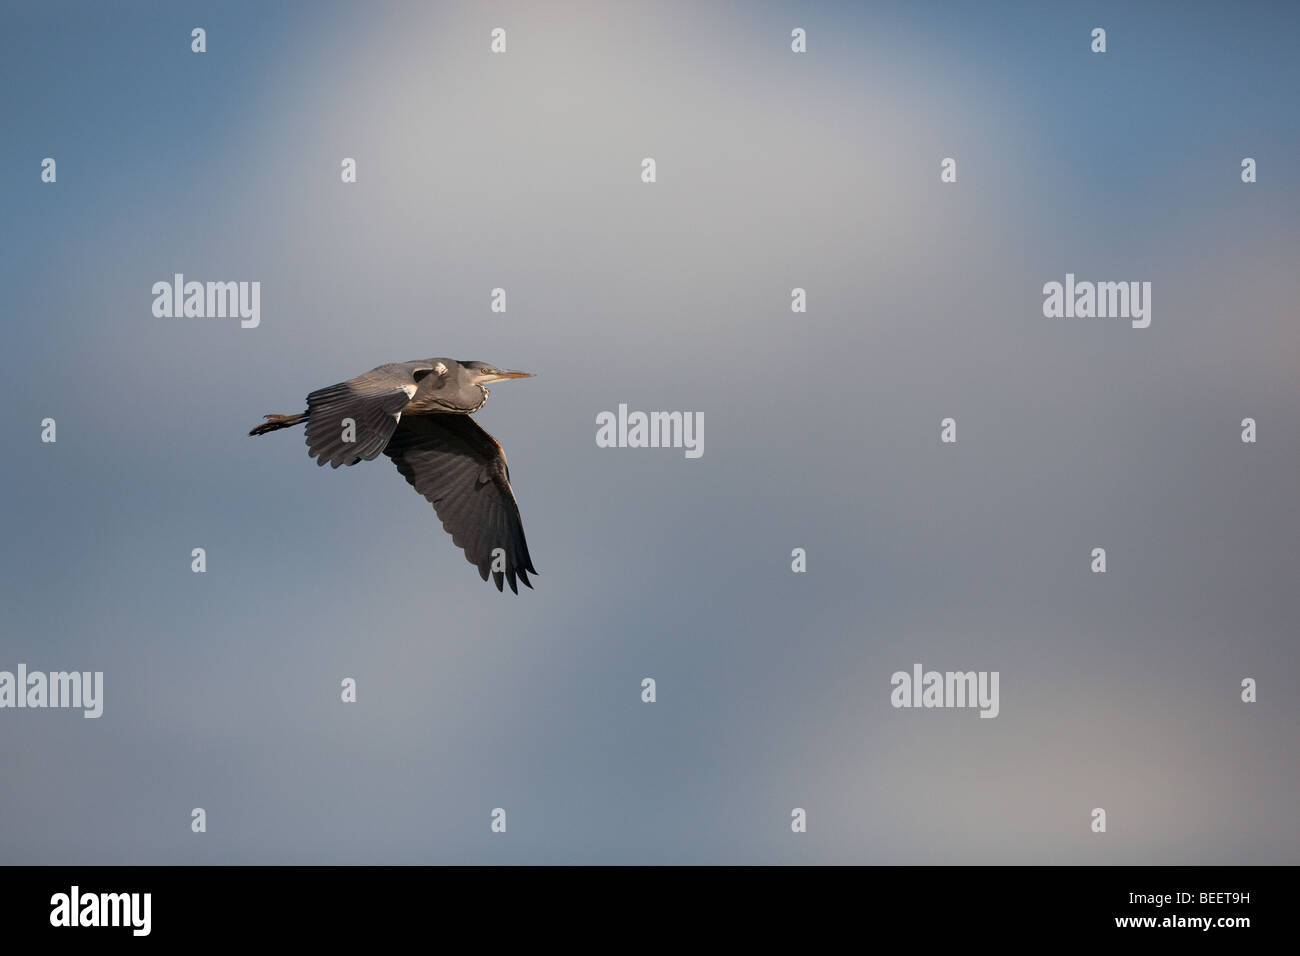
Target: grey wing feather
462, 471
373, 402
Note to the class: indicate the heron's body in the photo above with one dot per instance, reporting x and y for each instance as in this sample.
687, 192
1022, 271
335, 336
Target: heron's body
417, 413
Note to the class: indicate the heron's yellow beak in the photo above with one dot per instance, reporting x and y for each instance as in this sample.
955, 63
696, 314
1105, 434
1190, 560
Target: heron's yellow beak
500, 375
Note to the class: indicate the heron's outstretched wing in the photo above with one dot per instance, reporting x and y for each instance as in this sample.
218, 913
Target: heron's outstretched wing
461, 469
365, 409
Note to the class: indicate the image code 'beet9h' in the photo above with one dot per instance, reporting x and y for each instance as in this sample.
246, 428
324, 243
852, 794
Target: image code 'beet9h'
417, 413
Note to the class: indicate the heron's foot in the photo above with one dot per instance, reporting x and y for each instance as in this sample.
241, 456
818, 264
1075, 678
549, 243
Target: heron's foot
275, 422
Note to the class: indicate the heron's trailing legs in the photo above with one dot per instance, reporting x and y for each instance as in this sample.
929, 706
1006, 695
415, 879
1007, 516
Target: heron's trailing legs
274, 422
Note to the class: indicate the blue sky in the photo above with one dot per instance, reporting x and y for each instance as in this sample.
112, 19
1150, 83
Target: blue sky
775, 170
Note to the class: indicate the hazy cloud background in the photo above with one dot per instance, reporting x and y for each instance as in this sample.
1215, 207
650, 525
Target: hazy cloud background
821, 431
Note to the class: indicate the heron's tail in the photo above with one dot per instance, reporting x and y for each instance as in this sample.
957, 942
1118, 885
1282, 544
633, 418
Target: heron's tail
278, 421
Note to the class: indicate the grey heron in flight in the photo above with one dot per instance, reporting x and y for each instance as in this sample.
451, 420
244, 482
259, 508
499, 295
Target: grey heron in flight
418, 414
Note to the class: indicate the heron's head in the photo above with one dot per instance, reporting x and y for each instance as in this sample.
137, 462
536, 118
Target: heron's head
480, 373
